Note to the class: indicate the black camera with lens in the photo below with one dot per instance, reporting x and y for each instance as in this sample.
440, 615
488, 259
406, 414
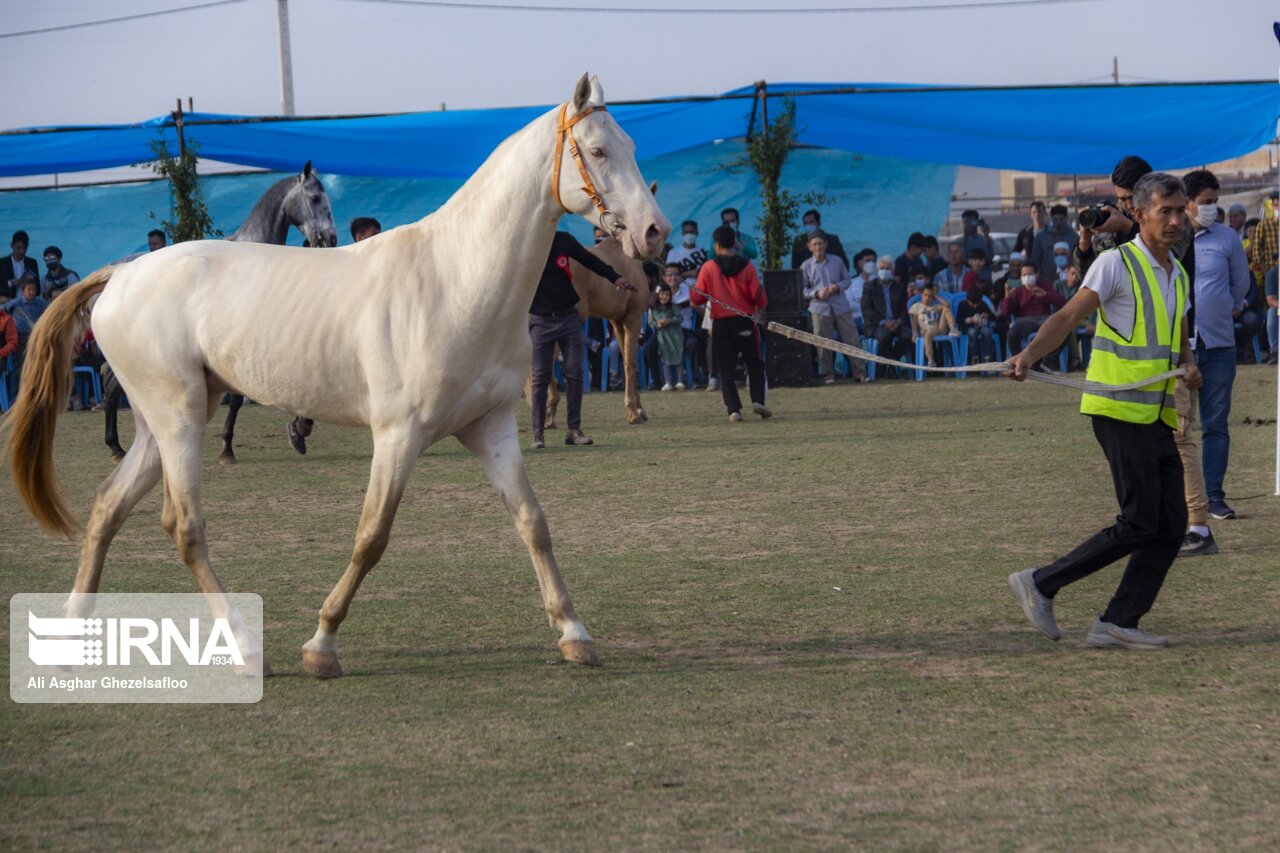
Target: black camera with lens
1094, 215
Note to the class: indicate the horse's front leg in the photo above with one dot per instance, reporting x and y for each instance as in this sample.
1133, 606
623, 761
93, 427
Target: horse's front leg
394, 453
495, 444
234, 402
628, 333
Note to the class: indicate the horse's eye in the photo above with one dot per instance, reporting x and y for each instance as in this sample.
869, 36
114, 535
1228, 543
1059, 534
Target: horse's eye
597, 152
315, 199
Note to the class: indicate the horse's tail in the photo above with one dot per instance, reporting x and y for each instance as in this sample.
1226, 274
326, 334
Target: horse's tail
46, 377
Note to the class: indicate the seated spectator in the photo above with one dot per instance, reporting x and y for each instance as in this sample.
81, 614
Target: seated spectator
57, 278
16, 267
26, 310
978, 274
1061, 260
884, 311
1068, 288
975, 319
364, 227
1012, 278
909, 263
934, 263
1273, 307
664, 319
826, 286
864, 270
1027, 307
1246, 321
950, 279
8, 347
931, 317
800, 248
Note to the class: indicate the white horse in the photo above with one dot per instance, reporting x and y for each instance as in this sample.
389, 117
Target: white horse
419, 333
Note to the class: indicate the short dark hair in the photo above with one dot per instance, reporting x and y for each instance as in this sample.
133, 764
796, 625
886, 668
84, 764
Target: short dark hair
724, 237
688, 222
52, 250
1160, 184
1038, 204
928, 285
930, 241
671, 265
729, 210
915, 241
1198, 181
1252, 220
155, 232
819, 235
21, 237
1058, 210
363, 223
663, 287
977, 253
969, 214
817, 217
1128, 170
864, 253
1031, 265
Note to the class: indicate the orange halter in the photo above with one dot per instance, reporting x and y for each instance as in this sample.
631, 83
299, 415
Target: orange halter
564, 129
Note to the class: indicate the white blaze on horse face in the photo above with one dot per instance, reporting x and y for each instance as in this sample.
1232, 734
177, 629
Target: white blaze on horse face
609, 156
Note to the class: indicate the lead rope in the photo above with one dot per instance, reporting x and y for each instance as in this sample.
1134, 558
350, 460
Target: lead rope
985, 367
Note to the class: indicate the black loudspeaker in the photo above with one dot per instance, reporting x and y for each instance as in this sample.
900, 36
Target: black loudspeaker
785, 289
788, 361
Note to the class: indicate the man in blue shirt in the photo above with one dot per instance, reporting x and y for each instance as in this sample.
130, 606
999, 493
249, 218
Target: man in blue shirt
1221, 283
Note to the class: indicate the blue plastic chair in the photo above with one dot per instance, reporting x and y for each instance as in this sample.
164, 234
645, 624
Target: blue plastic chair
955, 353
1062, 353
87, 379
6, 369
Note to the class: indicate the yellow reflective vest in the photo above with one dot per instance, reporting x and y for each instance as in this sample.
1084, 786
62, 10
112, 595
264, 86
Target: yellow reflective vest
1154, 348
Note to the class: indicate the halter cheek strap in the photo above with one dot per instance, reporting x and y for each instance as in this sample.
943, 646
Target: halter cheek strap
564, 130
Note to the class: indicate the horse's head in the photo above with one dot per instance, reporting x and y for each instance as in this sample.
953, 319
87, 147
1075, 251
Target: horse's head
606, 161
307, 207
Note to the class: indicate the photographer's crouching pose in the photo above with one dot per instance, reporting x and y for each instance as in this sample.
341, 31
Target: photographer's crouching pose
1140, 292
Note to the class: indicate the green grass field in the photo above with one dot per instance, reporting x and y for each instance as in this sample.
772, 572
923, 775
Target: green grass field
808, 639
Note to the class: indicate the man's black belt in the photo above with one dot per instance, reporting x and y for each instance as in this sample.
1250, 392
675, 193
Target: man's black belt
551, 315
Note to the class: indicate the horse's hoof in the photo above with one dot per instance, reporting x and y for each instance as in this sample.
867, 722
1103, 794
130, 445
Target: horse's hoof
580, 651
644, 415
550, 424
226, 457
321, 664
117, 457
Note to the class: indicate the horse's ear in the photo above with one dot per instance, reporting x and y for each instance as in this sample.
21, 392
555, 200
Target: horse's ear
597, 91
653, 188
581, 93
306, 170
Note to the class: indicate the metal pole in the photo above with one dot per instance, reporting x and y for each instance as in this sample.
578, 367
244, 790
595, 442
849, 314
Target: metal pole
286, 58
177, 122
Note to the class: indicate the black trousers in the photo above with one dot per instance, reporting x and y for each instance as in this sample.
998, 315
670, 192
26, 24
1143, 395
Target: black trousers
731, 337
1147, 472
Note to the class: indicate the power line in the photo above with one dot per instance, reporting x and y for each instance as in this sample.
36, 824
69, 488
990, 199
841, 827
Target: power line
654, 10
139, 16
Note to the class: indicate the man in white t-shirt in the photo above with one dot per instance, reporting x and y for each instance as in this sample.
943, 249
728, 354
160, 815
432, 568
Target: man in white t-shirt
1135, 341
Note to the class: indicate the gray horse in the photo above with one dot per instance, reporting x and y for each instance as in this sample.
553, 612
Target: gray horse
294, 201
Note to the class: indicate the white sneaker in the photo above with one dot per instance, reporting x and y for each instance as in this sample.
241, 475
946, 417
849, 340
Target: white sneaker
713, 384
679, 386
667, 387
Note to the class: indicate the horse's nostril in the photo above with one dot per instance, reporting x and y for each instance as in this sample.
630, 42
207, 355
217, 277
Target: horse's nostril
652, 235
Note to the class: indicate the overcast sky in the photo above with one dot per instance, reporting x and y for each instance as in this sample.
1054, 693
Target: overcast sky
358, 57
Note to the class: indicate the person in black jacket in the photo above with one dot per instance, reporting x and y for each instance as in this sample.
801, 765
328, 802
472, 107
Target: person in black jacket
553, 319
800, 248
16, 267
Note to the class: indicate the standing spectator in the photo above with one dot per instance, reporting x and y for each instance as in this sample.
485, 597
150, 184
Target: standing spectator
1236, 218
934, 263
364, 227
688, 256
976, 235
554, 320
743, 244
800, 248
1262, 251
1027, 236
931, 317
155, 240
974, 319
826, 286
908, 263
1028, 307
1012, 278
864, 269
950, 279
884, 311
731, 280
664, 319
689, 320
1269, 292
1222, 280
16, 267
1061, 260
1057, 231
57, 278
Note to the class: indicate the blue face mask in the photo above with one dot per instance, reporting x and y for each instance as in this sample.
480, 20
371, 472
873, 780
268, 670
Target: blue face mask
1060, 261
810, 227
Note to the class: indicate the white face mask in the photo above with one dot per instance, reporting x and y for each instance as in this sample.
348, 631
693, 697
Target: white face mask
869, 269
1029, 280
1208, 214
690, 239
885, 275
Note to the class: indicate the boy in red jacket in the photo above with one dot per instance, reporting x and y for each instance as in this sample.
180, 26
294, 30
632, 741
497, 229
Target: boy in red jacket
730, 278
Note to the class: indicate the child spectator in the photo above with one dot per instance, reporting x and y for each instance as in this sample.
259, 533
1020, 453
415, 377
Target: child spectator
25, 310
931, 317
978, 270
974, 318
664, 319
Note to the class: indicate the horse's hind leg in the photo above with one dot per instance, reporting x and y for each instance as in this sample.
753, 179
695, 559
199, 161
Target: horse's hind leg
228, 456
495, 444
394, 453
115, 499
111, 414
553, 393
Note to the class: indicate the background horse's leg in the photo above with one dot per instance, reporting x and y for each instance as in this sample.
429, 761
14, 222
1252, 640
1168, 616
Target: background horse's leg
494, 442
628, 334
111, 412
234, 402
553, 393
394, 452
115, 499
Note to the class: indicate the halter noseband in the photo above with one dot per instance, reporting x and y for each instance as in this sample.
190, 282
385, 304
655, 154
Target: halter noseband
564, 129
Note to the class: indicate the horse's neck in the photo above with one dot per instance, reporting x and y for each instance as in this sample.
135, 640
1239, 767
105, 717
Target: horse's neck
267, 222
499, 225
